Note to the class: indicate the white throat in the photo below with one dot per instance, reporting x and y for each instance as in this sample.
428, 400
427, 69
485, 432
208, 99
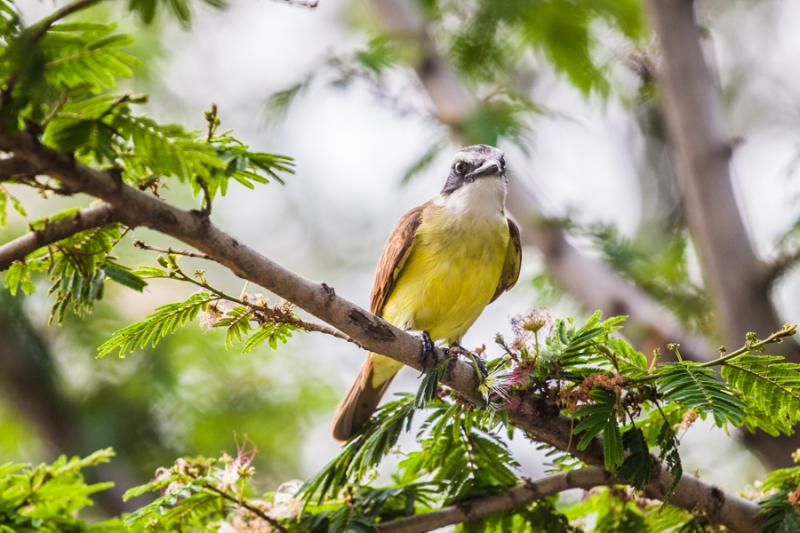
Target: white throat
485, 198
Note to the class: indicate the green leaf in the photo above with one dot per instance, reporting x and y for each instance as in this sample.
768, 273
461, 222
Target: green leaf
48, 497
364, 451
166, 320
270, 332
776, 511
668, 444
124, 276
85, 55
635, 469
601, 416
613, 452
18, 275
150, 272
695, 386
770, 387
430, 383
237, 320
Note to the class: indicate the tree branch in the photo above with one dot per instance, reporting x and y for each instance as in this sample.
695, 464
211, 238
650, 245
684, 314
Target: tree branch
244, 503
91, 217
737, 280
12, 166
733, 273
776, 269
41, 27
137, 208
596, 286
531, 490
593, 284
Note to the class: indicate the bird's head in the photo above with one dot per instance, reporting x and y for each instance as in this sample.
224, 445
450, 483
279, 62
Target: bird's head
474, 164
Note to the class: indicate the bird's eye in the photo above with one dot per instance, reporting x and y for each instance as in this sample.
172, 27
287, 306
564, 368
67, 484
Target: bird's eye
461, 167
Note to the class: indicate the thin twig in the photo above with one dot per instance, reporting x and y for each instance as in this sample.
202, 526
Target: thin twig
310, 4
267, 314
780, 266
786, 331
252, 508
144, 246
41, 27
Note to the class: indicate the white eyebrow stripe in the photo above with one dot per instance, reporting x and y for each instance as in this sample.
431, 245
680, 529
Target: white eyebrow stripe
469, 157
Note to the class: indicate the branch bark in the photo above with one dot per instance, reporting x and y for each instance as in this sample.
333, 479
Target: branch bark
737, 280
91, 217
11, 166
593, 284
137, 208
532, 490
733, 273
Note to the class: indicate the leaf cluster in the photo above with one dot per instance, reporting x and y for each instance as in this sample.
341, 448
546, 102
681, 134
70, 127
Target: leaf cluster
58, 83
779, 509
77, 267
48, 497
248, 321
633, 406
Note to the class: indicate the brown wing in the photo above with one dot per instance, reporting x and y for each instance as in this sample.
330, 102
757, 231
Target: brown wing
510, 273
395, 253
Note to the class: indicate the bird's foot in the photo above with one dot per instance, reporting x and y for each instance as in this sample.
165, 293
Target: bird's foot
428, 352
479, 363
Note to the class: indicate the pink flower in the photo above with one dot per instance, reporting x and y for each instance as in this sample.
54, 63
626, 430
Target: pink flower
521, 373
532, 322
214, 312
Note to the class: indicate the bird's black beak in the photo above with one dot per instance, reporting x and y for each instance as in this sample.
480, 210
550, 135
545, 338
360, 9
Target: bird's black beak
490, 166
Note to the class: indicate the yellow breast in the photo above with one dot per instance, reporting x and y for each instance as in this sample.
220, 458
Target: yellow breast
451, 274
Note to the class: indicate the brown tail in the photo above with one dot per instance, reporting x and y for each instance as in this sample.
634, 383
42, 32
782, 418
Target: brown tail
361, 400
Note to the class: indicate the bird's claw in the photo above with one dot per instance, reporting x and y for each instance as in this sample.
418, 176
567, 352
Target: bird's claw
481, 364
428, 352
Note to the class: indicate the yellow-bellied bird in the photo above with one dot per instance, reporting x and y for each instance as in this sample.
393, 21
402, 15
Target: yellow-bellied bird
444, 262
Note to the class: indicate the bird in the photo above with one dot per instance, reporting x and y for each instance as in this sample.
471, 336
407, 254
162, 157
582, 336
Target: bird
443, 263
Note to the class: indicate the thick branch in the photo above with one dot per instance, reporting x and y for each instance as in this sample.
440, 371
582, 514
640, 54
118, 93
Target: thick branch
137, 208
91, 217
593, 284
733, 273
738, 282
532, 490
12, 166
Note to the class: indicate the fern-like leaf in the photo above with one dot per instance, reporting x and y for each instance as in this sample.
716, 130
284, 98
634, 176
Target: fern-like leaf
272, 333
237, 322
635, 468
695, 386
166, 320
600, 417
364, 451
770, 387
